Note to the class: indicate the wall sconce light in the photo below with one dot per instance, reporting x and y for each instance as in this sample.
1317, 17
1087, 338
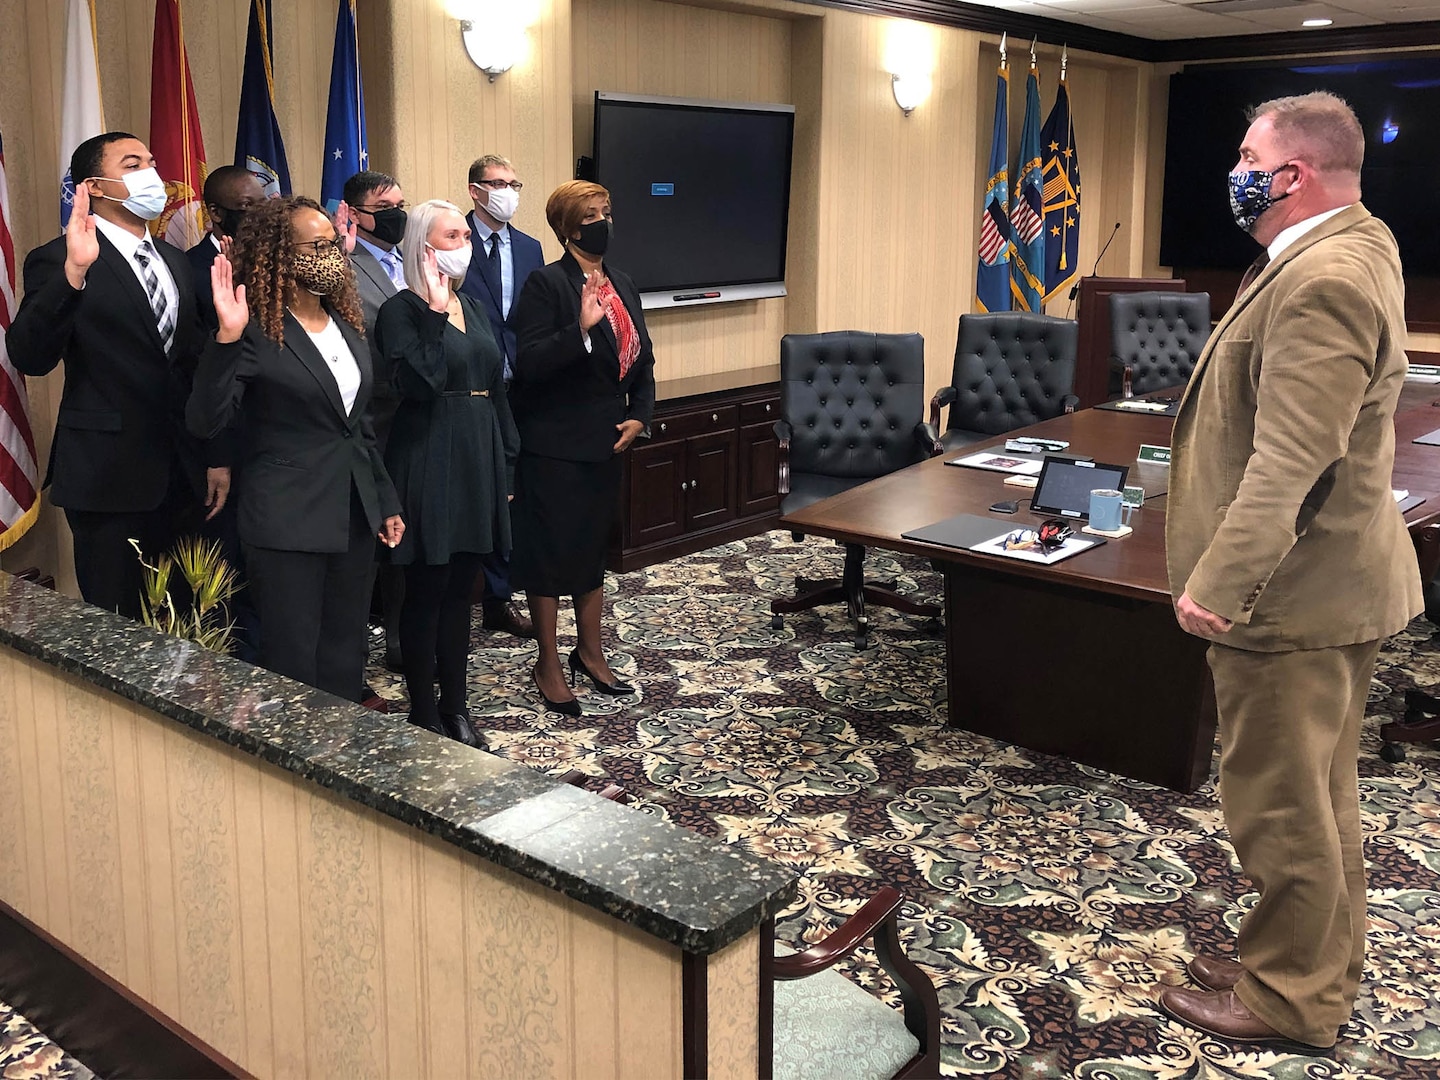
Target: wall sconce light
910, 91
909, 58
493, 49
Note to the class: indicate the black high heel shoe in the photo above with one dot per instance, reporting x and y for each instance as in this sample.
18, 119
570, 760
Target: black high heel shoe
564, 708
613, 689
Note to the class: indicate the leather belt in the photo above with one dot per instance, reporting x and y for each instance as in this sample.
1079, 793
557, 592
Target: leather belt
464, 393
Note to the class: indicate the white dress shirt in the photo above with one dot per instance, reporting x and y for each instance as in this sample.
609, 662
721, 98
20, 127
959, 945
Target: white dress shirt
340, 360
1289, 235
127, 243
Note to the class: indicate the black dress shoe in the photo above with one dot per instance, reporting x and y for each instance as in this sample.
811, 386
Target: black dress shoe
436, 725
505, 616
394, 661
613, 689
457, 726
564, 708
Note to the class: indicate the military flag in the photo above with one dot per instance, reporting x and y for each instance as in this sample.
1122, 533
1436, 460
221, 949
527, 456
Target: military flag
258, 145
345, 143
81, 116
175, 138
1062, 194
992, 278
1027, 213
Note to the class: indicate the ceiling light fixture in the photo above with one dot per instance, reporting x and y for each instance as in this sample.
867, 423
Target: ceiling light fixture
1313, 23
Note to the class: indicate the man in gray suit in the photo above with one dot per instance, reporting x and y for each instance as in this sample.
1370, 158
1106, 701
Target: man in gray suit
372, 221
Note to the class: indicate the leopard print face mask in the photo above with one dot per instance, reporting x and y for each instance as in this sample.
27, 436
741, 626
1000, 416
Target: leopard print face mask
323, 275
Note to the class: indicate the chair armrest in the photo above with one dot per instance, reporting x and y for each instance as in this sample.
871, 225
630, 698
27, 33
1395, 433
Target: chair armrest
929, 439
1069, 403
783, 431
845, 940
946, 395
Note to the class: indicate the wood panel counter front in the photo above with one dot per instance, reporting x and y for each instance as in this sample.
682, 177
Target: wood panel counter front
311, 889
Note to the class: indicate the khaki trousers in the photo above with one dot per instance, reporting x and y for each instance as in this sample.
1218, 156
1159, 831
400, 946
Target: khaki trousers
1289, 743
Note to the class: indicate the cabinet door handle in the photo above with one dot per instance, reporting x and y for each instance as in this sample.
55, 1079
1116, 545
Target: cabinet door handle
683, 485
714, 417
662, 427
767, 406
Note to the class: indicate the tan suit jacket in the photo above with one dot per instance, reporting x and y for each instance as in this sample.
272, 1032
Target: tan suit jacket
1280, 514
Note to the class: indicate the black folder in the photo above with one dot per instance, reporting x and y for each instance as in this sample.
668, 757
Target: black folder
964, 530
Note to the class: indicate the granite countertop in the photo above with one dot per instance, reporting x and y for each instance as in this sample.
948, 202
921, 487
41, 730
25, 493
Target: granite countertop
679, 886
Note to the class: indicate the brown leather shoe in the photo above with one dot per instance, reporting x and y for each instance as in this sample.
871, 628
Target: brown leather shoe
507, 618
1214, 972
1222, 1014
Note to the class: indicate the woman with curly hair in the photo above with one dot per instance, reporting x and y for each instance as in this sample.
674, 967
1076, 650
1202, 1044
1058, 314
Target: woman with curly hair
290, 362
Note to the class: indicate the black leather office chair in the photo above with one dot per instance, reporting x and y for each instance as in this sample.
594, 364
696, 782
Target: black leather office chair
1156, 337
1012, 369
852, 405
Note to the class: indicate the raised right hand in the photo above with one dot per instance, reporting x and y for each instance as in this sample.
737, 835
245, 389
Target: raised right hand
345, 226
230, 306
82, 245
591, 310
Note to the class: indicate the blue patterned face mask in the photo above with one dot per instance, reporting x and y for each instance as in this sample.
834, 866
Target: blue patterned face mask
1250, 195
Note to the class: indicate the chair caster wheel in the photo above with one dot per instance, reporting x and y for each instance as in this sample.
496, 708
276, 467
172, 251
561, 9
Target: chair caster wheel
1394, 753
777, 622
862, 642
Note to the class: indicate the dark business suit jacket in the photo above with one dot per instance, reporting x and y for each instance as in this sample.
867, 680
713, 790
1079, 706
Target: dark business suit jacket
120, 428
304, 456
200, 257
567, 400
375, 287
526, 257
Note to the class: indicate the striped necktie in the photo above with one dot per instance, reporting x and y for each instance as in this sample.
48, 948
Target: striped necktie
164, 317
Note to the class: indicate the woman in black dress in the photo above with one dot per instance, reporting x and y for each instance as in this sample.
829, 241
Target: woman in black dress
584, 389
290, 365
451, 453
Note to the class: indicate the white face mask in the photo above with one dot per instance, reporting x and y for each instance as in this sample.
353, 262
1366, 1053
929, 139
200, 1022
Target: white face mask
454, 263
502, 204
147, 196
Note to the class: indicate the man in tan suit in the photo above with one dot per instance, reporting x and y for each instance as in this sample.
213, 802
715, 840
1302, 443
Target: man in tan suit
1286, 550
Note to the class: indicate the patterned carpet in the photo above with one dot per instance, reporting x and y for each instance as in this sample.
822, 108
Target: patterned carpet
26, 1054
1049, 901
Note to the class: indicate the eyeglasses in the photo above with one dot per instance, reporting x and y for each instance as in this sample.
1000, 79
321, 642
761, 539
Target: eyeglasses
500, 185
377, 209
319, 247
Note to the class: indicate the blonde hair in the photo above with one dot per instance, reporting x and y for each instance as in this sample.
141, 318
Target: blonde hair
418, 224
484, 162
1320, 128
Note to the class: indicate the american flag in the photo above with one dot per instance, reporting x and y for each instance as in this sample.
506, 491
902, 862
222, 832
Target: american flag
19, 470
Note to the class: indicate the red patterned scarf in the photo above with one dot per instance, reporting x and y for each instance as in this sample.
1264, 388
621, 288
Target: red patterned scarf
626, 336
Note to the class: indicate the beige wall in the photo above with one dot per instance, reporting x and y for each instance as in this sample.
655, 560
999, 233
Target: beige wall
301, 934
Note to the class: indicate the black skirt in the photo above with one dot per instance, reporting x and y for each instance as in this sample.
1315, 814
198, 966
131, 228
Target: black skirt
561, 521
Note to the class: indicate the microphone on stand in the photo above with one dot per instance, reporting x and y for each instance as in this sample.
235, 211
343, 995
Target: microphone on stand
1076, 287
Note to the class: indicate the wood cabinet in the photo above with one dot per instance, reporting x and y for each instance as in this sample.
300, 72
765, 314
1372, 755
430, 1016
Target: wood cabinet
707, 475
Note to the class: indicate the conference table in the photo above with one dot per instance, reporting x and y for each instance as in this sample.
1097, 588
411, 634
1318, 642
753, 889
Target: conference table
1082, 658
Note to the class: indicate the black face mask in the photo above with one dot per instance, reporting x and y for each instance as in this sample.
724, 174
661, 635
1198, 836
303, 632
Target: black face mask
595, 237
230, 220
389, 225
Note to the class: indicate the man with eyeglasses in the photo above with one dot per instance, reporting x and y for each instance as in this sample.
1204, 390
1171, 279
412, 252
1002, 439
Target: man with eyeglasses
371, 222
502, 257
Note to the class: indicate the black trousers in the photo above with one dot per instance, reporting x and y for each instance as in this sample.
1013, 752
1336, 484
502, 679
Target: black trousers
106, 566
435, 634
314, 608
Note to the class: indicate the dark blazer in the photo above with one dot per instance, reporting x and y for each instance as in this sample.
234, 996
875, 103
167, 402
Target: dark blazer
527, 257
375, 287
200, 257
120, 426
303, 455
567, 400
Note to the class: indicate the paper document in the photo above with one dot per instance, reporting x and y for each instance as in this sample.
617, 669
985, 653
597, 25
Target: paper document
1000, 463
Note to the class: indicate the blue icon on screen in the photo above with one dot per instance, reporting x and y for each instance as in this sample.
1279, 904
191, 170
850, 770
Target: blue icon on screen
662, 189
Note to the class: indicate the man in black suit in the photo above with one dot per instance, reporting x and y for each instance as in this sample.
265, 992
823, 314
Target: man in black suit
119, 308
371, 221
229, 192
502, 257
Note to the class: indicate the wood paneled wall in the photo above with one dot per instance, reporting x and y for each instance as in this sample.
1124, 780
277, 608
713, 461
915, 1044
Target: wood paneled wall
302, 934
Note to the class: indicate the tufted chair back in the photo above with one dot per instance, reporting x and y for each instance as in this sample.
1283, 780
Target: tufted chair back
1012, 369
853, 401
1158, 336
